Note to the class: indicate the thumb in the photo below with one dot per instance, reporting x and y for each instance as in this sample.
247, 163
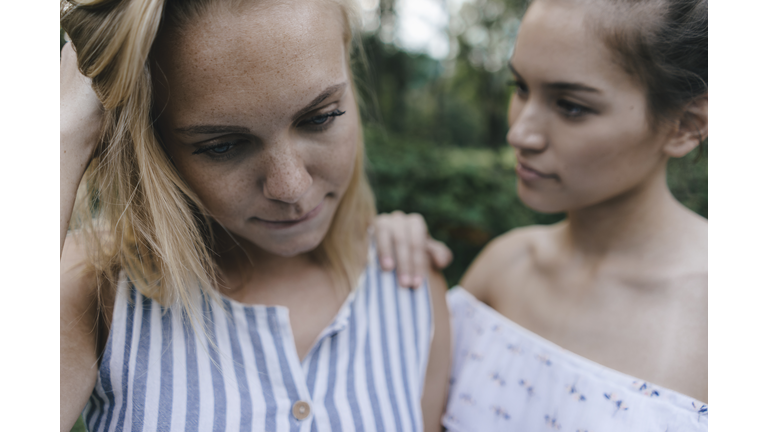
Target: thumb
439, 254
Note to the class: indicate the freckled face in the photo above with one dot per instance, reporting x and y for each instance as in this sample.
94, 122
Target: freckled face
259, 117
577, 120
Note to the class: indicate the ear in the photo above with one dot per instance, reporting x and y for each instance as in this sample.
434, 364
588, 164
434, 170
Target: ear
691, 129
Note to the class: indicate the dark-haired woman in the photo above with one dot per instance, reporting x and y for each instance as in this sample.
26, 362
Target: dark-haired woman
597, 323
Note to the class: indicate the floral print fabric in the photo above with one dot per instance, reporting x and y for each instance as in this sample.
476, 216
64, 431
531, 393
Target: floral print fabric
506, 378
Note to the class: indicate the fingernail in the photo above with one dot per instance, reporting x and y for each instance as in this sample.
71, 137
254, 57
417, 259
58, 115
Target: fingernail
417, 281
405, 280
387, 263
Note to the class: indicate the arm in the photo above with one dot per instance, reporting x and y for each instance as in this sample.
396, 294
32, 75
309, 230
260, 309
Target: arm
77, 327
80, 126
439, 367
403, 239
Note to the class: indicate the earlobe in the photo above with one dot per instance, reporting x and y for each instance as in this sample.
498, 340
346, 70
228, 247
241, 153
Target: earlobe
691, 129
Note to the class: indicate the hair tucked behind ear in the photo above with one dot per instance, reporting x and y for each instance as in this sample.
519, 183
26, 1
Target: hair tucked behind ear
157, 228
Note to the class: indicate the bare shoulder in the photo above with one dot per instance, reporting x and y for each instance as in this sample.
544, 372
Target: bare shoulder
699, 242
512, 252
691, 246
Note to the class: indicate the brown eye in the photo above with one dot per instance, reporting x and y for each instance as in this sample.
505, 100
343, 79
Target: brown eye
571, 109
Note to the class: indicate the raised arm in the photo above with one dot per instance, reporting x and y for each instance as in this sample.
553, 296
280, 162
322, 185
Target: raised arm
403, 243
81, 116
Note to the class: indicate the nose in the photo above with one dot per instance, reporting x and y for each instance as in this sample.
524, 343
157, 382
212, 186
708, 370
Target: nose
526, 130
287, 179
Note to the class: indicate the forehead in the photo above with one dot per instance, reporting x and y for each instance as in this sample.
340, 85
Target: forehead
557, 43
269, 52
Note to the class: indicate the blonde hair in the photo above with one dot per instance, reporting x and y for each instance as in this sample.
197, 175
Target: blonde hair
159, 233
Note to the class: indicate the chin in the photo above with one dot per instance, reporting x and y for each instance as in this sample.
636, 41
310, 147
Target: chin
539, 201
294, 247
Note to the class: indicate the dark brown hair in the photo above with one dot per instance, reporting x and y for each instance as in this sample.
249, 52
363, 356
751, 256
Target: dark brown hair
661, 43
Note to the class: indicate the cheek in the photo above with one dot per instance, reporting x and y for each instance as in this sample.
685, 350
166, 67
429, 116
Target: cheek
220, 191
611, 155
335, 162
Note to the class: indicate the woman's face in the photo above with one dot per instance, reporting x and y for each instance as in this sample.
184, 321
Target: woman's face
257, 112
577, 120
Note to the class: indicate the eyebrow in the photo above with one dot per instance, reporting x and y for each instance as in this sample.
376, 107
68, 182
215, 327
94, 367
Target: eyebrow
212, 129
325, 94
567, 86
217, 129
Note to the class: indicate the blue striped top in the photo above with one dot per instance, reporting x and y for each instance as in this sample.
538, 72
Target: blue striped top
365, 372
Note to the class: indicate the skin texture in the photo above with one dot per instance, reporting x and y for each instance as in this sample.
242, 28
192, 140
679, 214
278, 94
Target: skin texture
81, 115
231, 72
243, 104
623, 280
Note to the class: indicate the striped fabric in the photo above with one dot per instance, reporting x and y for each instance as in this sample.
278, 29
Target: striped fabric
365, 372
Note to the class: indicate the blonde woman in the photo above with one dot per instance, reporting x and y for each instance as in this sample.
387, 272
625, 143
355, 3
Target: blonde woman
217, 273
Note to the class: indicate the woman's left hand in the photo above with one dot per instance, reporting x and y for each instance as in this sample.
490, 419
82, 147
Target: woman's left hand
403, 243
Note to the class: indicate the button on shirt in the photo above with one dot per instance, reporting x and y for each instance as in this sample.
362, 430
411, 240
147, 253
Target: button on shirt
365, 372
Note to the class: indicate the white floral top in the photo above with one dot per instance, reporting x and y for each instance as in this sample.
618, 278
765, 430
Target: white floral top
506, 378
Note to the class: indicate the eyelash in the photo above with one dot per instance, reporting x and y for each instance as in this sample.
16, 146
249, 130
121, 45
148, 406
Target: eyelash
520, 88
209, 150
326, 120
566, 106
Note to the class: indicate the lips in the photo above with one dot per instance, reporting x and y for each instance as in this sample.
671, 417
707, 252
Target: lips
277, 224
528, 173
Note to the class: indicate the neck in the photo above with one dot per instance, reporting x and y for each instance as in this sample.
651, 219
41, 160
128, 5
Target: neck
631, 223
240, 260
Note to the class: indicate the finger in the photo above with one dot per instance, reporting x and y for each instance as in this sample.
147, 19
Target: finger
402, 249
417, 237
383, 234
439, 254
